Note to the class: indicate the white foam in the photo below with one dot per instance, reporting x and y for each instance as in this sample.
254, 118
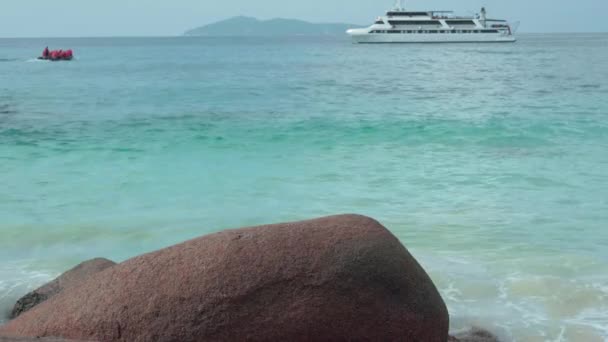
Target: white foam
594, 318
451, 293
543, 302
562, 335
16, 279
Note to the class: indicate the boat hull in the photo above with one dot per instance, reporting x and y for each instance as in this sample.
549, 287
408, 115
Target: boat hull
378, 38
55, 59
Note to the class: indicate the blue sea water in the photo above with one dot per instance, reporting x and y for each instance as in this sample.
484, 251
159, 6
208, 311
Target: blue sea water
489, 162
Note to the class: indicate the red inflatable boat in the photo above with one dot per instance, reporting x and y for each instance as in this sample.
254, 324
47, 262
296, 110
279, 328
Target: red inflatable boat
57, 55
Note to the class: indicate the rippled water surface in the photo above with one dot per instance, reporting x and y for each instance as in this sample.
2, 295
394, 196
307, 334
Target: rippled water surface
489, 162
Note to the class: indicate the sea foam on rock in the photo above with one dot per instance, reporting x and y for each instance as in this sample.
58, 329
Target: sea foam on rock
336, 278
474, 335
68, 279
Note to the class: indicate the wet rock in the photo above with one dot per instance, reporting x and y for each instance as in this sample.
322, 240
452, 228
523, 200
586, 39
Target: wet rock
335, 278
68, 279
474, 335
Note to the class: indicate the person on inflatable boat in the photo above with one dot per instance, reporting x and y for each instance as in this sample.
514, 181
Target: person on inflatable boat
57, 55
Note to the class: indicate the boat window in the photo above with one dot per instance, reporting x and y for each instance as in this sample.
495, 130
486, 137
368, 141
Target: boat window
459, 22
408, 14
414, 22
380, 22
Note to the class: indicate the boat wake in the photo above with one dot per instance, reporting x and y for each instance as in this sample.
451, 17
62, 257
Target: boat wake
36, 60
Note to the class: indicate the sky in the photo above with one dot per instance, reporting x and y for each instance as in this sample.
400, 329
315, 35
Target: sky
86, 18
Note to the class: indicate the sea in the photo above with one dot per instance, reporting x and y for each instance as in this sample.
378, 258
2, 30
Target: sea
488, 161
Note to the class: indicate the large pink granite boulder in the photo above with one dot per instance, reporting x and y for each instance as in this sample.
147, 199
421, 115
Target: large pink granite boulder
335, 278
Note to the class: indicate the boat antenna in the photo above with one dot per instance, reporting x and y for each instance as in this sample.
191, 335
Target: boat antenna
399, 5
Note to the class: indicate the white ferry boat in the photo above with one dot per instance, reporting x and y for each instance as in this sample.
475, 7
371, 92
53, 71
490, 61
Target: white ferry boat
401, 26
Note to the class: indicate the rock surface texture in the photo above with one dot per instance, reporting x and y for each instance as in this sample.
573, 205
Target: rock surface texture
68, 279
336, 278
35, 339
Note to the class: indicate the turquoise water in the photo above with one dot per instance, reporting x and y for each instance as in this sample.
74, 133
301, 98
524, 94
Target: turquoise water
489, 162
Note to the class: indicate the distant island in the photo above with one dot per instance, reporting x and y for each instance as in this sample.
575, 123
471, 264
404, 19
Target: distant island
248, 26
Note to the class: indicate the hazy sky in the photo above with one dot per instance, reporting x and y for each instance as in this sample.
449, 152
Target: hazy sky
46, 18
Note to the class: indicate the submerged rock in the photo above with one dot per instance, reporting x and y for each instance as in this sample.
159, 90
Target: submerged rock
68, 279
474, 335
336, 278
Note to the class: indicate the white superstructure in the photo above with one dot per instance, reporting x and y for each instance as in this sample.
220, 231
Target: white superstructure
401, 26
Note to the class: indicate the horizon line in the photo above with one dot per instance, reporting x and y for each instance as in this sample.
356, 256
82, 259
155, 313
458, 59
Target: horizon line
211, 36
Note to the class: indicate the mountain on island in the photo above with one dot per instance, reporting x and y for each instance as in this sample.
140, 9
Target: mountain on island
247, 26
